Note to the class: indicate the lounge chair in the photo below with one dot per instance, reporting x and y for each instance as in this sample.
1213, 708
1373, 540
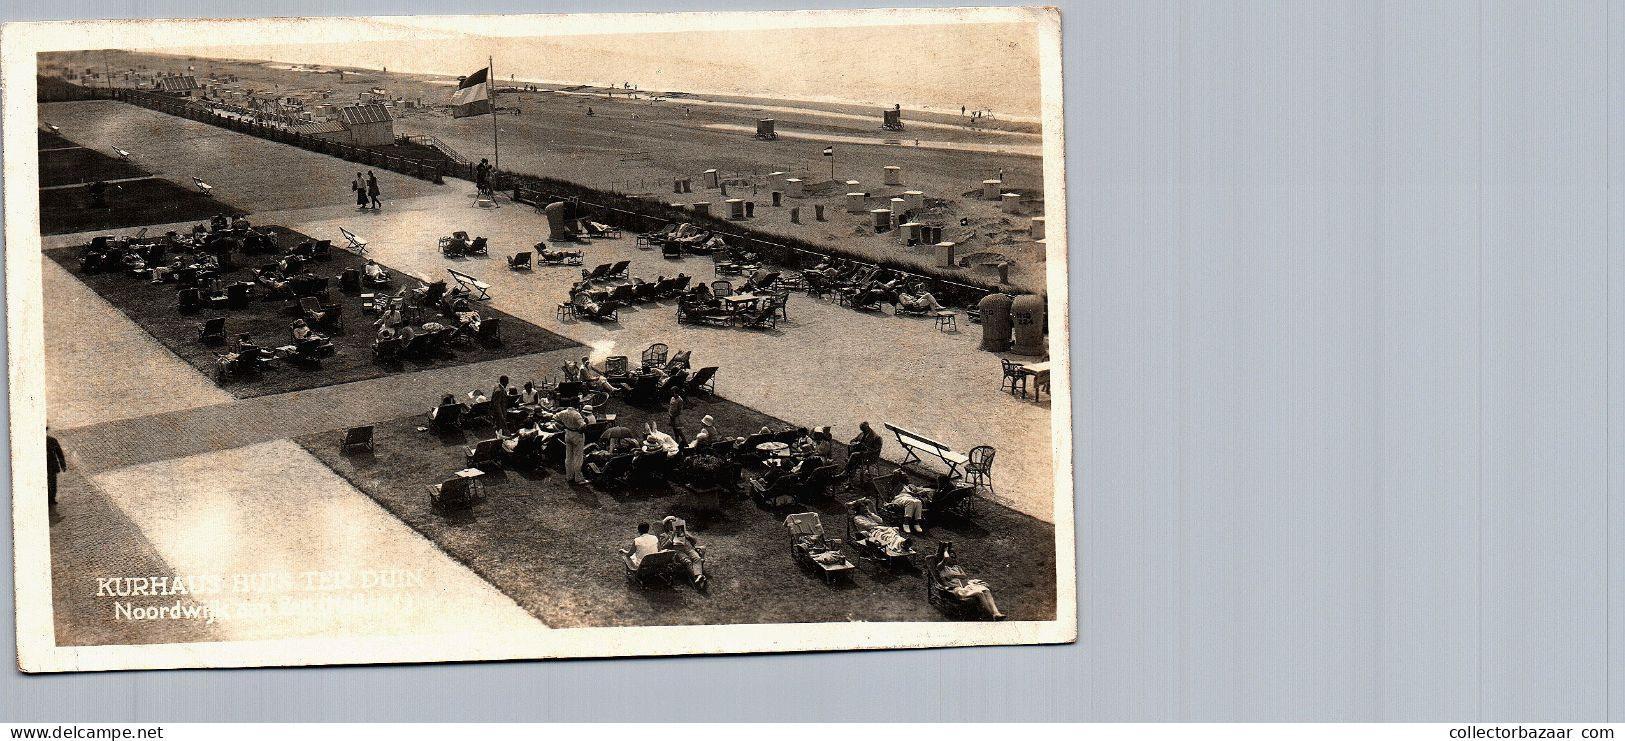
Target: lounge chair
213, 331
447, 417
618, 270
703, 380
597, 273
662, 565
357, 437
811, 550
452, 494
485, 453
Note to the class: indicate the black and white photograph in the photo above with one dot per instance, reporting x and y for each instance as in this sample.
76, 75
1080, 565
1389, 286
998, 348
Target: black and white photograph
407, 339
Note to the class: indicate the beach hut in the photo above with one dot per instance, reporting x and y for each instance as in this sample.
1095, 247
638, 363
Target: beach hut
764, 129
911, 231
368, 125
702, 207
882, 219
794, 188
991, 190
915, 199
1036, 230
854, 203
894, 175
736, 208
945, 254
1009, 202
892, 120
710, 178
899, 206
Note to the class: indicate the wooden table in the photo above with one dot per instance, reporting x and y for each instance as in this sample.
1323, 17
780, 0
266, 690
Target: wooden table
739, 301
1040, 375
476, 481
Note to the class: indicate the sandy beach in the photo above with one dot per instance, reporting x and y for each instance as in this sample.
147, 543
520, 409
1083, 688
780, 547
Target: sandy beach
638, 144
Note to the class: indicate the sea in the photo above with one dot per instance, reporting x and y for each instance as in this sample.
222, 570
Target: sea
986, 67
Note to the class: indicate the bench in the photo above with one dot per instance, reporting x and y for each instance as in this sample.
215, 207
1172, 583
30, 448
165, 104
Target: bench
913, 444
472, 283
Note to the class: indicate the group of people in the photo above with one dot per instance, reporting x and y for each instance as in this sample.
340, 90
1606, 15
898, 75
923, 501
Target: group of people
397, 312
366, 192
673, 536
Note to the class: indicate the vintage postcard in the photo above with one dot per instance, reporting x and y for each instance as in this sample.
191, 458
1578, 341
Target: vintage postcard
405, 339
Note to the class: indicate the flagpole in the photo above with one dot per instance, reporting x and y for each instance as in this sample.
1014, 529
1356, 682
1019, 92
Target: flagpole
496, 151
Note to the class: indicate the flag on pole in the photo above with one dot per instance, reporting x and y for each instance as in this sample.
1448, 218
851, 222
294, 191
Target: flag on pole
829, 151
473, 95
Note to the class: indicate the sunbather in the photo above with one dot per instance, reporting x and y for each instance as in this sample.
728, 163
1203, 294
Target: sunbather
918, 299
375, 274
302, 332
872, 529
957, 582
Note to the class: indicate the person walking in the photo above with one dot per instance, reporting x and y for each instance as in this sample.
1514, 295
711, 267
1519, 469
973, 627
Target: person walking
372, 191
55, 463
359, 187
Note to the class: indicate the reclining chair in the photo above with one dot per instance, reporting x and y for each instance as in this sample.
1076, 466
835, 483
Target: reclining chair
811, 550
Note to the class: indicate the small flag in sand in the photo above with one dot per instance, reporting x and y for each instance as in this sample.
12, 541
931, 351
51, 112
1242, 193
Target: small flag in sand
829, 151
473, 96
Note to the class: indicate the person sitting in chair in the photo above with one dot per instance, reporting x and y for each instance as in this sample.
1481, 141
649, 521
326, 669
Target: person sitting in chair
872, 529
386, 333
530, 395
675, 537
445, 401
864, 449
659, 442
600, 453
913, 499
468, 320
303, 333
707, 434
957, 582
643, 545
391, 318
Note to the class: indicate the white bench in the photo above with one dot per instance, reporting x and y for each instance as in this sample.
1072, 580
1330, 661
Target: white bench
914, 443
472, 283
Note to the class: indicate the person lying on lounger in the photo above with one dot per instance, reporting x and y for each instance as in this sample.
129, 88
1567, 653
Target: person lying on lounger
375, 274
957, 582
873, 530
918, 299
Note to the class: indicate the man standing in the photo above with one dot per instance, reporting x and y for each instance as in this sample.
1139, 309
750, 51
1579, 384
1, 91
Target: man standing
499, 403
55, 462
575, 443
482, 177
372, 191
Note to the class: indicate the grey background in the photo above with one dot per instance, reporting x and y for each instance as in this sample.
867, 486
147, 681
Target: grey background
1350, 380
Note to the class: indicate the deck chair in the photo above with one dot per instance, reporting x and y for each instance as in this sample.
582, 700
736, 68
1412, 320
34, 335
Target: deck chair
204, 188
485, 453
322, 249
644, 292
520, 261
618, 270
188, 299
452, 494
761, 317
388, 351
811, 550
484, 411
596, 273
662, 565
350, 280
623, 294
213, 331
479, 246
781, 493
447, 417
238, 295
357, 437
680, 359
490, 331
941, 597
704, 379
817, 483
356, 243
671, 250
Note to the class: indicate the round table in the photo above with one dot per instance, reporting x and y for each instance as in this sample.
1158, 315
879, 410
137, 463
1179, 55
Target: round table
773, 448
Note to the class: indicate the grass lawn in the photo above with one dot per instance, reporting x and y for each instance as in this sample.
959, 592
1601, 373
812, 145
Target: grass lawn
153, 307
551, 547
69, 166
135, 203
50, 140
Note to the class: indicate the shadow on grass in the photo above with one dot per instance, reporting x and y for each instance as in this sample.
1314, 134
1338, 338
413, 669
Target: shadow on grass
552, 547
